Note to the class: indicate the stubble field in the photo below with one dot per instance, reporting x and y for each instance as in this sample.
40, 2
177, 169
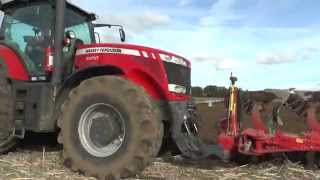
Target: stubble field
42, 161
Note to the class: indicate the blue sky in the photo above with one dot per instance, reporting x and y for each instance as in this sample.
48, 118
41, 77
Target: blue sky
266, 43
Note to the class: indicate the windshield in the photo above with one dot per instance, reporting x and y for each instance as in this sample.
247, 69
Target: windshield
28, 31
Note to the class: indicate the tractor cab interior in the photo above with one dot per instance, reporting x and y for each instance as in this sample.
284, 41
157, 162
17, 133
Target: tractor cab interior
28, 28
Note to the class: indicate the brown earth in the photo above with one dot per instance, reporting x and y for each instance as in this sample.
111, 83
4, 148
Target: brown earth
209, 120
211, 116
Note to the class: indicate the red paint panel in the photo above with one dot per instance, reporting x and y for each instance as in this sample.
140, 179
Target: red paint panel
16, 69
147, 72
227, 142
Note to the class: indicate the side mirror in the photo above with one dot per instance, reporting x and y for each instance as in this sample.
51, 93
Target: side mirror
122, 35
70, 35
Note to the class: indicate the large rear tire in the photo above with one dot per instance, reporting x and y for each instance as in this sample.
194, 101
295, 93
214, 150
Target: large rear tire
7, 140
110, 129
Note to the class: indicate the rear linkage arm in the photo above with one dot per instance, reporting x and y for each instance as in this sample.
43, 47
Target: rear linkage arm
184, 132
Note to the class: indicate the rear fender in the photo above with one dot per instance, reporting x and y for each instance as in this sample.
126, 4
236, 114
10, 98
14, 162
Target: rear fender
13, 63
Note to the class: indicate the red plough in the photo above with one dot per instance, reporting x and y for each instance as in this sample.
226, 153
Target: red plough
260, 139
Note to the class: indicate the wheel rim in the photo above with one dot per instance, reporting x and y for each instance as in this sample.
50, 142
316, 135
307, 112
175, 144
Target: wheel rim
101, 130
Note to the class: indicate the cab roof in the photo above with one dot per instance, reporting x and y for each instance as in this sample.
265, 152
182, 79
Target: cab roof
7, 4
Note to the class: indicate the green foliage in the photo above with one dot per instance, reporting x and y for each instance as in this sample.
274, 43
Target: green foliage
209, 91
197, 91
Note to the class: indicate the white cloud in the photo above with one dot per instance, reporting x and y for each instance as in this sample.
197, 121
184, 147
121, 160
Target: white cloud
237, 35
277, 58
184, 2
220, 63
221, 13
138, 23
286, 57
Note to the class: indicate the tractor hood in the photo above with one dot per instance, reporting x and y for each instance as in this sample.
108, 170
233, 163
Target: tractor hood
132, 50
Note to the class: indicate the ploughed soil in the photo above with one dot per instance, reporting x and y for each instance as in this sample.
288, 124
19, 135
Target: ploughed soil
209, 122
211, 116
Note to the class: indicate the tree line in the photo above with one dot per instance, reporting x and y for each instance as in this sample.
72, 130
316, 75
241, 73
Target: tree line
209, 91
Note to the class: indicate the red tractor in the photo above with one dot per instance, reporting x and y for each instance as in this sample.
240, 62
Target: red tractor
112, 104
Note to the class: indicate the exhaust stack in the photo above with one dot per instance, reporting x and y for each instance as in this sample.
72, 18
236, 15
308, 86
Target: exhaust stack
58, 41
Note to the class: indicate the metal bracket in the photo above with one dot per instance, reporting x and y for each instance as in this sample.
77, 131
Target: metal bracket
19, 133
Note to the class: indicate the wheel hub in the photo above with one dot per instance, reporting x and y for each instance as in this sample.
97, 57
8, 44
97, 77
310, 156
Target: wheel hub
101, 130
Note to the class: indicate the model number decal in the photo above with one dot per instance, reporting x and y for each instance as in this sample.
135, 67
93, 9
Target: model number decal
92, 58
108, 50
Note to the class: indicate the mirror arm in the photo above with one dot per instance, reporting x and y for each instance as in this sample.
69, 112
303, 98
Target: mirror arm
98, 35
107, 25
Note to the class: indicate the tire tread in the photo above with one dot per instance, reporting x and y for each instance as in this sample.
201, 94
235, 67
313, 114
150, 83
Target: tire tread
136, 95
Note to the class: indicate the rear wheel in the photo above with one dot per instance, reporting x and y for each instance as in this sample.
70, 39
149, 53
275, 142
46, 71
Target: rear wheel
110, 129
7, 140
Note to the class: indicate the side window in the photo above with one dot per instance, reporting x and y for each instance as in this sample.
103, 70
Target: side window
28, 30
17, 34
79, 25
1, 17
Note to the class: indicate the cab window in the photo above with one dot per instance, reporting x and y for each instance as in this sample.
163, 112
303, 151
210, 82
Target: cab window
28, 30
79, 25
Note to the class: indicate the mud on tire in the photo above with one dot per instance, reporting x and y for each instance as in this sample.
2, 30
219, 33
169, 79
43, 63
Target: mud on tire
141, 134
7, 140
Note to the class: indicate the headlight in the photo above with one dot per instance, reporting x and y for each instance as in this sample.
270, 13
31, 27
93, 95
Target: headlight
177, 89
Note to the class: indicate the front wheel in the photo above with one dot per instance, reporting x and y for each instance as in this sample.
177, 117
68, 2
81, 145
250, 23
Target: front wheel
110, 128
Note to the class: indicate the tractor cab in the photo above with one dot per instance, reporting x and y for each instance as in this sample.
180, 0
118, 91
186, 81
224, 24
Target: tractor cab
28, 29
